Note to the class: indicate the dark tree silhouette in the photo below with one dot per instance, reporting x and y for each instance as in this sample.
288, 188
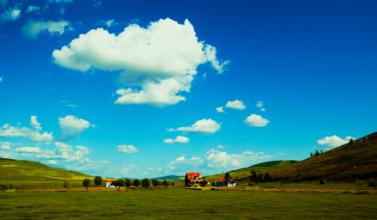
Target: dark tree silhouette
127, 183
136, 183
86, 183
145, 183
97, 180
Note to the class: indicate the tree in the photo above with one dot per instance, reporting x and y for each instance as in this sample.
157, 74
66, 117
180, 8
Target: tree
267, 177
172, 184
351, 141
253, 176
156, 183
145, 183
97, 180
311, 154
118, 183
316, 153
187, 181
127, 183
227, 177
66, 185
86, 183
165, 184
136, 183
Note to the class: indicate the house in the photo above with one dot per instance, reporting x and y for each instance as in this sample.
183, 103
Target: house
109, 183
221, 182
193, 178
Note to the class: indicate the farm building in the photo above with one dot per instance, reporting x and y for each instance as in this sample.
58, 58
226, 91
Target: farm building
193, 178
108, 183
221, 182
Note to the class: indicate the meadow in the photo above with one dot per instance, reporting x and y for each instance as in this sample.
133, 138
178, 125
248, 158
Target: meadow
180, 203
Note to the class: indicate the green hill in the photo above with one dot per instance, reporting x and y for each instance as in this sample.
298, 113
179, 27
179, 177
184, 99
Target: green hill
350, 161
23, 170
244, 173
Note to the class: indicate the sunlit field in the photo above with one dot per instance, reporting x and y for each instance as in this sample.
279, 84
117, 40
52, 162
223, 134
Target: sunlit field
186, 204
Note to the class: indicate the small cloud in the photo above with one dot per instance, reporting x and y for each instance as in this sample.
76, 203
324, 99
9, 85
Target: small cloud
71, 126
32, 8
34, 122
333, 141
31, 150
11, 14
236, 104
178, 139
128, 149
220, 109
260, 106
256, 121
208, 126
1, 79
5, 145
33, 28
220, 147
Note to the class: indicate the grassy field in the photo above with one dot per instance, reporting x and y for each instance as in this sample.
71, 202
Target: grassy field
181, 203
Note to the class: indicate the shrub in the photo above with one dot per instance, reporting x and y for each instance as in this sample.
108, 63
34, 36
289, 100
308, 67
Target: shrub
165, 184
97, 180
136, 182
372, 183
145, 183
86, 183
66, 185
322, 181
156, 183
118, 183
127, 183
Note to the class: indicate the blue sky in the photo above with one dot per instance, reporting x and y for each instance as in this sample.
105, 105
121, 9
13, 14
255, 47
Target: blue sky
125, 88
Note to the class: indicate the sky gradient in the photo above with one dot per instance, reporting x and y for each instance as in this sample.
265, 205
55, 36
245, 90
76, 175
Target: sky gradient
142, 89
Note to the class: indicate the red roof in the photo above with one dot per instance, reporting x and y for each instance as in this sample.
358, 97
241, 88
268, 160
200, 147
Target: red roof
222, 179
192, 175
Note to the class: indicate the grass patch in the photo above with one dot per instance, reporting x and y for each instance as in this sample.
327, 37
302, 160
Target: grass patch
180, 203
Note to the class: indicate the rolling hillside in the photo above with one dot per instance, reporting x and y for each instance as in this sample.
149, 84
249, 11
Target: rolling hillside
350, 161
244, 173
22, 170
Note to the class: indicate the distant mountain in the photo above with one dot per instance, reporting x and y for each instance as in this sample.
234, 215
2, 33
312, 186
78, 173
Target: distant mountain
23, 170
170, 177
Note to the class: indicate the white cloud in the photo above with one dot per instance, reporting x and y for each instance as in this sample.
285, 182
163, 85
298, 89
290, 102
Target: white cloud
158, 62
256, 121
32, 8
182, 164
260, 106
32, 150
333, 141
61, 1
70, 153
34, 122
71, 126
235, 104
1, 79
4, 145
35, 135
220, 109
11, 14
110, 22
208, 126
178, 139
222, 159
33, 28
125, 148
53, 162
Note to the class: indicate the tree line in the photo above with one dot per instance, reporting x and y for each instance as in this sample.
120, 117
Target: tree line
126, 182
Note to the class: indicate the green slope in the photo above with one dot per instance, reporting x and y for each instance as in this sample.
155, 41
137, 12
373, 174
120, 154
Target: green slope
350, 161
244, 173
22, 170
